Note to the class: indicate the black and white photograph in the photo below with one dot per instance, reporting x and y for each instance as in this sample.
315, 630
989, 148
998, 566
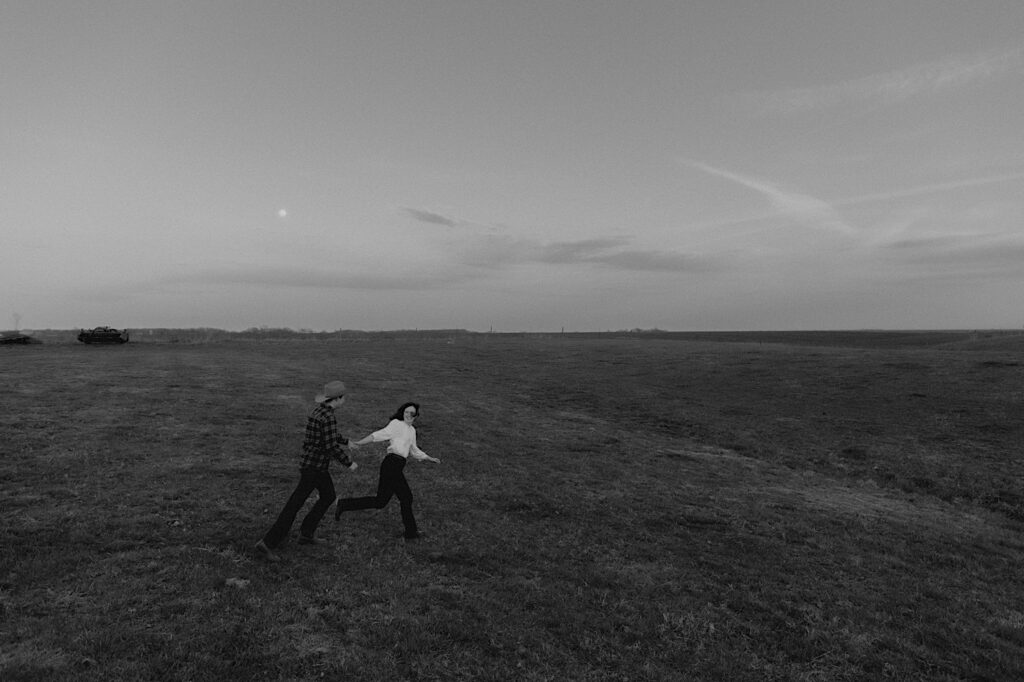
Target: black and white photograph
534, 340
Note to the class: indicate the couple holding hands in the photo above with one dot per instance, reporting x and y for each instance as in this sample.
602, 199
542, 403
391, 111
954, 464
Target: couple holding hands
322, 443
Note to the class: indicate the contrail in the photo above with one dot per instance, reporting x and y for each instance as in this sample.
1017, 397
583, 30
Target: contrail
954, 72
803, 207
930, 189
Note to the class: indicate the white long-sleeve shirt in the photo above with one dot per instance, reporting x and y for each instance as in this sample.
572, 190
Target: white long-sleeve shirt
402, 437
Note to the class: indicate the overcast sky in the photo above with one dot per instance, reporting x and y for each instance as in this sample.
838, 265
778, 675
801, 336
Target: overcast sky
522, 165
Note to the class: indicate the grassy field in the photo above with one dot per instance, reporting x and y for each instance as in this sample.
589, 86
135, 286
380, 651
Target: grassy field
632, 508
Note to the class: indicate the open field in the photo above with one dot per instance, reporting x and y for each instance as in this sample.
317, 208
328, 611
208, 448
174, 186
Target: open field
631, 507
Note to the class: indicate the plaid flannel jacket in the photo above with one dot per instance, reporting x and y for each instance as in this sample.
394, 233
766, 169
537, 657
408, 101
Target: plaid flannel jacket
322, 441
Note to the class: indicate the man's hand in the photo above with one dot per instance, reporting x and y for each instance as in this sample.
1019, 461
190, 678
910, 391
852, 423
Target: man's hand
353, 466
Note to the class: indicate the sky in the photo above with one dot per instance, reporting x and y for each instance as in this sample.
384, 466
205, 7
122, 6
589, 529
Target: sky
516, 166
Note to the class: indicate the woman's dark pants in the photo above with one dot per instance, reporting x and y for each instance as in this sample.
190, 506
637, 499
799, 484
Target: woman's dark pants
309, 480
392, 483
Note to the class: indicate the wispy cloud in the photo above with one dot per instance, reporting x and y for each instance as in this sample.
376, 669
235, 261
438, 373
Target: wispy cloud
806, 209
611, 252
933, 188
656, 261
473, 259
497, 251
934, 77
255, 275
576, 252
995, 257
430, 217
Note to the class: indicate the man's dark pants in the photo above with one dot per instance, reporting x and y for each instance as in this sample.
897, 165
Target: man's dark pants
392, 483
309, 480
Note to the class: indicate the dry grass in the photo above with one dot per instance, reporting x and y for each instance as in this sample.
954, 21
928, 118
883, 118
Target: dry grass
606, 509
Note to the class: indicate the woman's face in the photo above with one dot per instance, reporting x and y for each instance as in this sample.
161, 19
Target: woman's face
409, 414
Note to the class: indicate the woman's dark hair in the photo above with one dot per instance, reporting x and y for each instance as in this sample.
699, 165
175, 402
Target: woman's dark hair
400, 415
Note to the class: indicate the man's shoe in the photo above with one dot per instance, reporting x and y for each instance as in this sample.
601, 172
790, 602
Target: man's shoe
307, 540
267, 553
415, 536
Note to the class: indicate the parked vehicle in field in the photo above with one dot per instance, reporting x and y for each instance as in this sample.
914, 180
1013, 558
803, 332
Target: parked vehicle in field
103, 335
11, 338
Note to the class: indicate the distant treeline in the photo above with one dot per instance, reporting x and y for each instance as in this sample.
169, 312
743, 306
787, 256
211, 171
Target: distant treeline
867, 338
1010, 340
993, 339
213, 335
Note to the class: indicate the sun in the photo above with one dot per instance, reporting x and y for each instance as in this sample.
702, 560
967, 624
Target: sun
282, 213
